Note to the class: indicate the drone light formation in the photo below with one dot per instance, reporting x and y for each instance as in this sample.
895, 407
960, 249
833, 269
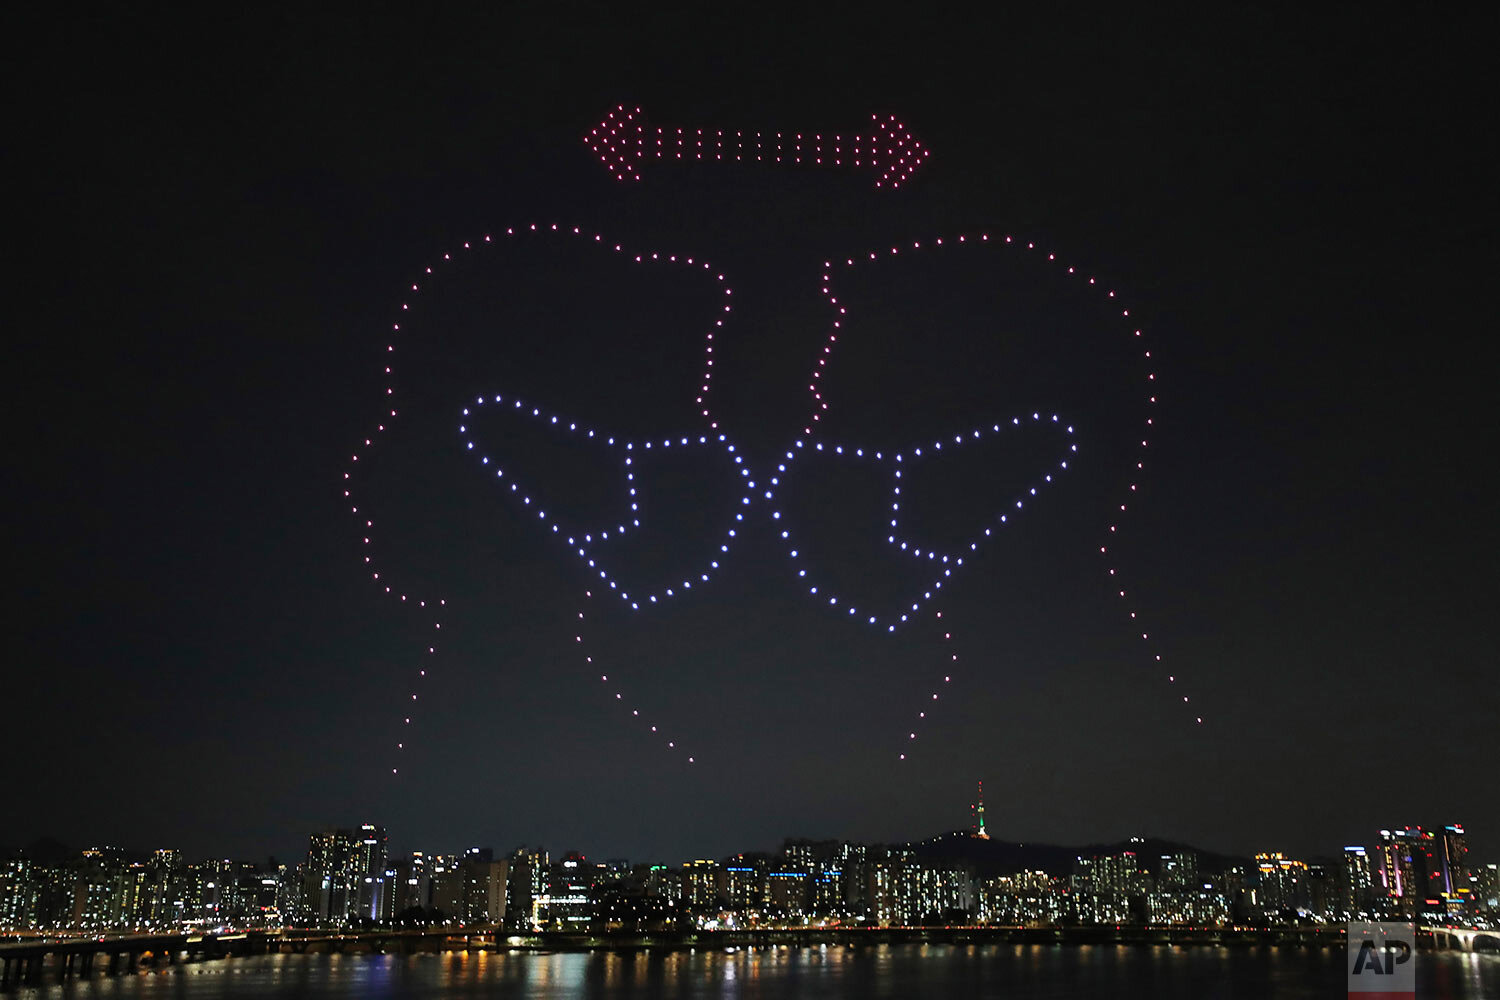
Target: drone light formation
581, 542
590, 544
624, 143
821, 405
943, 563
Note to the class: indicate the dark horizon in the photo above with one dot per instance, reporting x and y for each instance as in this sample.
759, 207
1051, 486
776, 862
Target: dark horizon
49, 850
221, 217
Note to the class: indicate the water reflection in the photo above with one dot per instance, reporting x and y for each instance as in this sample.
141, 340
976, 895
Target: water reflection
824, 972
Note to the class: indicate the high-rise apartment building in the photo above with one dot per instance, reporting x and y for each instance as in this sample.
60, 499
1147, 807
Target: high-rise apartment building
447, 886
17, 895
701, 885
1357, 884
1282, 883
526, 882
1177, 871
485, 882
344, 876
744, 886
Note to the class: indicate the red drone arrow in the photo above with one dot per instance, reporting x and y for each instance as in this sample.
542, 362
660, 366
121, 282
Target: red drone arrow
624, 142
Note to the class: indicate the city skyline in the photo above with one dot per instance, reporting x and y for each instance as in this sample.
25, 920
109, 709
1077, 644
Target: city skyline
978, 828
350, 877
249, 238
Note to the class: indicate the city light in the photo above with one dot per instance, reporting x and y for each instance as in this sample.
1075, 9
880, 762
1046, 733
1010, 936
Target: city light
350, 882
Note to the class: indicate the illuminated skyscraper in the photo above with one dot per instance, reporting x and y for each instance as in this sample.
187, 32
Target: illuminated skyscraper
928, 893
745, 883
99, 889
484, 888
701, 885
1358, 882
414, 882
1486, 882
1178, 872
569, 902
526, 882
1283, 883
787, 892
162, 897
1453, 853
1395, 868
17, 895
666, 883
447, 886
822, 862
344, 876
1112, 875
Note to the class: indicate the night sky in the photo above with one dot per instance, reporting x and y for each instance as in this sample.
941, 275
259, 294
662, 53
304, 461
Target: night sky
216, 223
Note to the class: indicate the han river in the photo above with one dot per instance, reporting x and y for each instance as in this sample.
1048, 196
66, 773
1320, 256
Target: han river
833, 972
